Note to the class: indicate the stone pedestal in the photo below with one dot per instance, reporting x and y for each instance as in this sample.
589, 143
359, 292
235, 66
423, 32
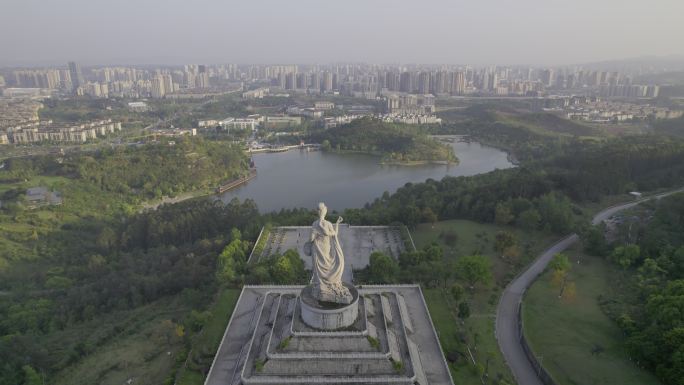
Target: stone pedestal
328, 315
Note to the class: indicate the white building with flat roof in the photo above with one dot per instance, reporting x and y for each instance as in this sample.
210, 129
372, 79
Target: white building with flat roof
241, 123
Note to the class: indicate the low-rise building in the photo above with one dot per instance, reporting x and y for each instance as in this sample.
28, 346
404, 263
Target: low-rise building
137, 106
241, 123
47, 131
308, 112
208, 123
274, 122
176, 132
324, 105
41, 196
259, 93
335, 121
604, 111
410, 119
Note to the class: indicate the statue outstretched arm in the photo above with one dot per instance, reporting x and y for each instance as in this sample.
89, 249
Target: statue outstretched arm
337, 225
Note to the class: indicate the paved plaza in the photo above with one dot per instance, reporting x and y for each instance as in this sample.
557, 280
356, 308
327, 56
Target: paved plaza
358, 243
393, 342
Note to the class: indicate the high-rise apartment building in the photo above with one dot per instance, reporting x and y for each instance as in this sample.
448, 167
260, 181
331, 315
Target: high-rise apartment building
157, 87
327, 81
459, 83
76, 75
167, 80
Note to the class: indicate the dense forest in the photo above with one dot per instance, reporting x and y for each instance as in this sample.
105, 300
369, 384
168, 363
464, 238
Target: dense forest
650, 306
146, 171
537, 194
396, 143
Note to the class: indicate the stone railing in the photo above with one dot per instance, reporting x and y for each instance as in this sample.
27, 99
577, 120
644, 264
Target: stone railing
256, 244
434, 332
379, 380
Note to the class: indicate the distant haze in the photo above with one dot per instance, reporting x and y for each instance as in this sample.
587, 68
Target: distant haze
541, 32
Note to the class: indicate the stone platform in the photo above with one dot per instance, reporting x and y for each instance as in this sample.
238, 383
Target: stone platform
328, 316
392, 341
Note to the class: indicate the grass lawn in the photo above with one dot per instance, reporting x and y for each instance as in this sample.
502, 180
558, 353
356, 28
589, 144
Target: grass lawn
216, 325
478, 329
564, 331
478, 238
190, 377
210, 337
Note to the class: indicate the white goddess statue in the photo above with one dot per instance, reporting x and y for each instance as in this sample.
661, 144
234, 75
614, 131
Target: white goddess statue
328, 260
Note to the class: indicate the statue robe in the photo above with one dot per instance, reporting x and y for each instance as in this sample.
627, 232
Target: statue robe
328, 263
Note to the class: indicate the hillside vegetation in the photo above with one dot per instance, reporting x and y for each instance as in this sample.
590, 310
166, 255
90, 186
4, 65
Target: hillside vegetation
649, 305
528, 135
103, 183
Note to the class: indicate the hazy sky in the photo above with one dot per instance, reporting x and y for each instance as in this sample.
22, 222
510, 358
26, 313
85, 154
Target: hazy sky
43, 32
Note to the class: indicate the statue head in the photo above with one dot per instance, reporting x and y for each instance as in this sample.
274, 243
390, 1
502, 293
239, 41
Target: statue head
322, 210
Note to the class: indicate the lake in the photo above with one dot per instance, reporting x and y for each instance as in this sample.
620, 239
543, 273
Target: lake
298, 178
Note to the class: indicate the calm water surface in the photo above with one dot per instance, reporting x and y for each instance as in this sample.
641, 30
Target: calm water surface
302, 179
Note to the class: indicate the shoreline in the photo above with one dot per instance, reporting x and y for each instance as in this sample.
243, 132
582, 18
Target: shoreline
510, 155
153, 205
420, 163
397, 162
201, 193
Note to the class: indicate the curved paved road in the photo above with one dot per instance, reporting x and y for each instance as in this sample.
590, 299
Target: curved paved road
507, 333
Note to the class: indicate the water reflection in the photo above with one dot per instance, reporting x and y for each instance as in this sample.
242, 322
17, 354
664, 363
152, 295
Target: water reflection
302, 179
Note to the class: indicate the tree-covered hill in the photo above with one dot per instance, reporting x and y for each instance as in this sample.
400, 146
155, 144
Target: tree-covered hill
527, 135
396, 143
138, 172
650, 307
581, 171
109, 182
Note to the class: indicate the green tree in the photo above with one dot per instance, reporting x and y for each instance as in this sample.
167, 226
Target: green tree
474, 269
429, 216
232, 257
556, 212
31, 377
560, 262
625, 256
595, 241
287, 269
457, 291
235, 234
504, 241
283, 271
463, 311
561, 267
325, 145
107, 239
529, 219
382, 268
503, 214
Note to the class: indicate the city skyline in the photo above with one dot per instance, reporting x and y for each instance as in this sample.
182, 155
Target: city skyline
529, 32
